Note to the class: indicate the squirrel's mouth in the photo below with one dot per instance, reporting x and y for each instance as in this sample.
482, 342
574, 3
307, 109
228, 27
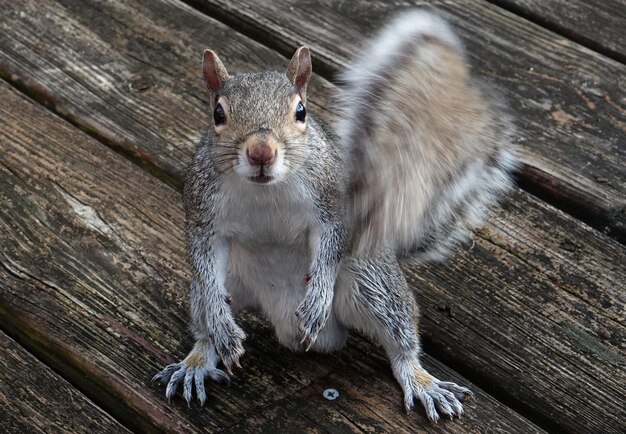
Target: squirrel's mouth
261, 179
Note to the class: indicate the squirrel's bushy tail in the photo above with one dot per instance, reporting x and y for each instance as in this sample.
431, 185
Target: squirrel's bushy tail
429, 152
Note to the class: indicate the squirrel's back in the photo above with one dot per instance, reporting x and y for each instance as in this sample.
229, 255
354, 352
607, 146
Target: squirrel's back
430, 151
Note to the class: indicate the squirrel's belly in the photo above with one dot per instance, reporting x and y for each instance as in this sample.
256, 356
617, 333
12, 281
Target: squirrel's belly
273, 277
272, 274
270, 267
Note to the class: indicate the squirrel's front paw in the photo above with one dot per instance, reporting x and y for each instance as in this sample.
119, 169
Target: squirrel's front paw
198, 365
437, 397
228, 339
311, 318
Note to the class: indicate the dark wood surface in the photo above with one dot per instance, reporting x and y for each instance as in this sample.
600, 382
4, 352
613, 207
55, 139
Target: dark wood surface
598, 24
565, 97
93, 278
94, 282
33, 399
530, 312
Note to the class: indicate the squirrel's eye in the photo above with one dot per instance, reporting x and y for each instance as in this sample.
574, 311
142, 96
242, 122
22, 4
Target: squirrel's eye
218, 114
300, 112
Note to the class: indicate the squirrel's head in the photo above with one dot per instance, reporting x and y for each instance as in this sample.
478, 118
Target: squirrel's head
259, 120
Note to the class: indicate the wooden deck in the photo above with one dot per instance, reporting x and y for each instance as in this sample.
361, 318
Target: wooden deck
101, 106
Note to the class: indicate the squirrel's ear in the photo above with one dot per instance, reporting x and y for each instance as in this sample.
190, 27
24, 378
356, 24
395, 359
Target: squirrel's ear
299, 70
213, 71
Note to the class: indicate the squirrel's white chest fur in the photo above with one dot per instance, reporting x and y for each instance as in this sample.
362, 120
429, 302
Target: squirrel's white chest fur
257, 216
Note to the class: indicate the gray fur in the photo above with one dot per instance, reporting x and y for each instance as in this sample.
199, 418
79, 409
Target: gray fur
292, 247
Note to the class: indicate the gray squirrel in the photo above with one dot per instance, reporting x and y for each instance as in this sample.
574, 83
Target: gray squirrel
286, 217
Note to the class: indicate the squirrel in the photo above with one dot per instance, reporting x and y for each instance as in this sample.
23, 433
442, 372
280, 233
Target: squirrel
305, 224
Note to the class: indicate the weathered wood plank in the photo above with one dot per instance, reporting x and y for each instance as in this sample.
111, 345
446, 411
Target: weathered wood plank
545, 310
93, 278
361, 405
598, 24
568, 99
33, 399
176, 54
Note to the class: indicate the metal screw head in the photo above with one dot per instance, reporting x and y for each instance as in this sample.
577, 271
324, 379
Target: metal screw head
331, 394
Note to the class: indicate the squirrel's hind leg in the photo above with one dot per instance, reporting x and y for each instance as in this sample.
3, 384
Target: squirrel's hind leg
373, 297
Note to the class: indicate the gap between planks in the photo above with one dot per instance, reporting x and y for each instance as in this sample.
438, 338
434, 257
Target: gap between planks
35, 399
571, 30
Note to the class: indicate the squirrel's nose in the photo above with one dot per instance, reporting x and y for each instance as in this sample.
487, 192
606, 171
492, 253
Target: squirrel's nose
261, 155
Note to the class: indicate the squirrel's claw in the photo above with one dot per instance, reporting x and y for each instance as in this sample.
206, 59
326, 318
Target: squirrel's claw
172, 385
460, 392
307, 339
230, 358
307, 342
187, 385
165, 374
310, 319
439, 399
228, 338
200, 389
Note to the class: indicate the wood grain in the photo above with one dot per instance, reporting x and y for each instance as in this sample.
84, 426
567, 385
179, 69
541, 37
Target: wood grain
545, 307
598, 24
362, 405
568, 100
93, 280
33, 399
